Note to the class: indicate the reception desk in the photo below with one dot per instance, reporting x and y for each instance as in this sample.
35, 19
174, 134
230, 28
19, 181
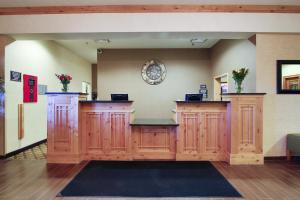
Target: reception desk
229, 130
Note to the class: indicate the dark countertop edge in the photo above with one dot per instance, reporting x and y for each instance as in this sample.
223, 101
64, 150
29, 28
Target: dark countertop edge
66, 93
147, 122
202, 101
243, 94
131, 124
103, 101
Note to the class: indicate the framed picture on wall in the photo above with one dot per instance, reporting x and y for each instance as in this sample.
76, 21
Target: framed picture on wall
288, 76
42, 89
15, 76
30, 88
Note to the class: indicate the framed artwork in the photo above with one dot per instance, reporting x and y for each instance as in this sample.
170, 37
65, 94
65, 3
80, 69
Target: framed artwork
15, 76
30, 88
288, 76
42, 89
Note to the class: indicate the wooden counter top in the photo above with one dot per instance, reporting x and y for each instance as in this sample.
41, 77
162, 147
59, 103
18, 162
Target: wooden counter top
154, 122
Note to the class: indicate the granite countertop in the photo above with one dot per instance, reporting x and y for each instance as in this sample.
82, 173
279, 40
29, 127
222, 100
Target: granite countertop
103, 101
183, 101
243, 94
154, 122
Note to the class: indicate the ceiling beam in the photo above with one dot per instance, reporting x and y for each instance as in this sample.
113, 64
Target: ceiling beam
149, 9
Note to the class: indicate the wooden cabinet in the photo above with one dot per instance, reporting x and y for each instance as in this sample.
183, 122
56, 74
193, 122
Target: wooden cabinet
202, 131
105, 131
154, 142
101, 130
246, 135
63, 145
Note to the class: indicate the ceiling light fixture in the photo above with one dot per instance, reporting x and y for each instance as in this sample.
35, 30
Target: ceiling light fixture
195, 41
102, 41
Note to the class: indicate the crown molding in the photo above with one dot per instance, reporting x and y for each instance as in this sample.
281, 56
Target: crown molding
149, 9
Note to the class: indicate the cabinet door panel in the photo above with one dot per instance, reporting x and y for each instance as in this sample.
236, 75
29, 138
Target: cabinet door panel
247, 127
214, 133
62, 137
118, 135
94, 125
188, 136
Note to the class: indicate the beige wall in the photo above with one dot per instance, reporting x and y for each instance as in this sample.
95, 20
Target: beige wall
43, 59
227, 55
281, 112
119, 71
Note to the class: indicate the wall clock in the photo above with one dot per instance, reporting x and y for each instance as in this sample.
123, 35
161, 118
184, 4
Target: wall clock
154, 72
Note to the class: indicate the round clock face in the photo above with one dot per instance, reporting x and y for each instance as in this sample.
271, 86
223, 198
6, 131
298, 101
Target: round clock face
154, 72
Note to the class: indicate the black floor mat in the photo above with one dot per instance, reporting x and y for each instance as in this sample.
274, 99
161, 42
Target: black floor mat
149, 179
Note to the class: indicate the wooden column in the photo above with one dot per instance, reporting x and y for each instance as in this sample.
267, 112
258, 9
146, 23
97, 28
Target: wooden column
63, 130
4, 41
245, 141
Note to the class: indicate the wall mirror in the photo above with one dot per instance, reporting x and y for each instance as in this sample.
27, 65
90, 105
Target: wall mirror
288, 76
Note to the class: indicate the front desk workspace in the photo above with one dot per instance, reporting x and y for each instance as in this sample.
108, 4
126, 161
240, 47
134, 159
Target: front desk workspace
229, 130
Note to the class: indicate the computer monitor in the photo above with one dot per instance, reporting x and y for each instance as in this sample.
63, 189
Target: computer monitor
193, 97
119, 97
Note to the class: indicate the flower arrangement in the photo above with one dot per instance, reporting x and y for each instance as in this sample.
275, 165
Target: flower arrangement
239, 76
65, 80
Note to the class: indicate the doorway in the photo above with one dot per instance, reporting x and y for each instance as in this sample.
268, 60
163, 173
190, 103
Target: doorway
220, 86
86, 88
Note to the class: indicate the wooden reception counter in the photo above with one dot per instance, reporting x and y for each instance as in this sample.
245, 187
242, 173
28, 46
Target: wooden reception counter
228, 130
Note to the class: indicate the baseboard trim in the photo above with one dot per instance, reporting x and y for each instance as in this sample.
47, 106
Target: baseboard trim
274, 158
22, 149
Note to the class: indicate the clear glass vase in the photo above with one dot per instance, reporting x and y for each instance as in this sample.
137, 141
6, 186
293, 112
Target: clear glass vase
239, 87
65, 87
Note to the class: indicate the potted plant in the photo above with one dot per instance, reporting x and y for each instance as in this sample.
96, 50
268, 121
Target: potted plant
65, 80
239, 76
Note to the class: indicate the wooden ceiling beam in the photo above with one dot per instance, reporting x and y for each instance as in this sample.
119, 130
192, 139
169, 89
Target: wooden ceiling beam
149, 9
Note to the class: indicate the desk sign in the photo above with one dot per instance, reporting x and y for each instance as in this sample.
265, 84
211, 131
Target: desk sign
15, 76
203, 90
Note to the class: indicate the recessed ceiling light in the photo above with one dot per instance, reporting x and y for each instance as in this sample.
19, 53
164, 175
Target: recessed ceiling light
195, 41
101, 41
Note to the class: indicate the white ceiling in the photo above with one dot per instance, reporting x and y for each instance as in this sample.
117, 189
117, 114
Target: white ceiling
85, 45
12, 3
